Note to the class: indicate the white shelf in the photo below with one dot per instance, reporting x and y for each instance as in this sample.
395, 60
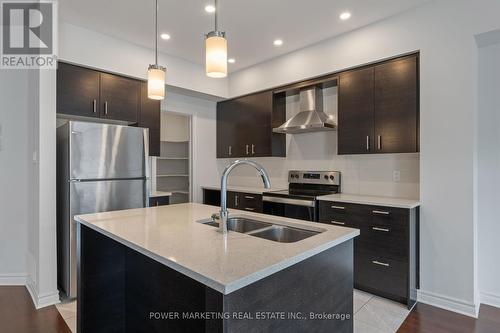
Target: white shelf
180, 192
172, 158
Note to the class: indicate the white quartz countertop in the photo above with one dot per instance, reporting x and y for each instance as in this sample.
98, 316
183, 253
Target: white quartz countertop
245, 189
371, 200
159, 194
172, 236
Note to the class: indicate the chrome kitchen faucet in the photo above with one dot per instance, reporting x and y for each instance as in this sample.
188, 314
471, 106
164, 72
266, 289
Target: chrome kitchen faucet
223, 188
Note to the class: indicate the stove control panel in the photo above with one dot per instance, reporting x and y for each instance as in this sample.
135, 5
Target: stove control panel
314, 177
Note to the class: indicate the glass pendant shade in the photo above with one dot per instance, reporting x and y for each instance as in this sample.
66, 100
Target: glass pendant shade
216, 54
156, 82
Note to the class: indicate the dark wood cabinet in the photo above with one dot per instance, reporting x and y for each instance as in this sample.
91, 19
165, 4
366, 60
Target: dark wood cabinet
396, 106
84, 92
355, 111
150, 117
378, 108
386, 251
244, 127
119, 98
236, 200
77, 91
229, 130
159, 201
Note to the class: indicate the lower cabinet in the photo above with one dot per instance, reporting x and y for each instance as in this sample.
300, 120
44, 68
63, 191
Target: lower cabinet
236, 200
385, 252
159, 201
386, 261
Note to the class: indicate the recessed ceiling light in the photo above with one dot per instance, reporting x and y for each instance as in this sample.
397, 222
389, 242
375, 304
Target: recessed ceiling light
231, 60
210, 8
278, 42
165, 36
345, 16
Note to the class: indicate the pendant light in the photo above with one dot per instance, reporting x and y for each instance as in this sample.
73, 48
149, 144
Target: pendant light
156, 73
216, 51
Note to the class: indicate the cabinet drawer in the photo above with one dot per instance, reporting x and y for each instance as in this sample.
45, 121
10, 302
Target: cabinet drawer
251, 202
388, 241
381, 275
344, 214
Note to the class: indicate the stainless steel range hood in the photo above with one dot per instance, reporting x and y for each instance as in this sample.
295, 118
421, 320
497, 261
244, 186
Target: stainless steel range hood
311, 117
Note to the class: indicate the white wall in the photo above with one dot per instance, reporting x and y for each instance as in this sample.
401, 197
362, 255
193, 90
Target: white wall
89, 48
361, 174
14, 185
444, 32
489, 173
204, 139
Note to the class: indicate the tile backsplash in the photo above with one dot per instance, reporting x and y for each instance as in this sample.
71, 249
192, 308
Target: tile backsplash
361, 174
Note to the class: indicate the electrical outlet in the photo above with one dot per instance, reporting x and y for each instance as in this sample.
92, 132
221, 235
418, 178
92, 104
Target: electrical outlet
396, 176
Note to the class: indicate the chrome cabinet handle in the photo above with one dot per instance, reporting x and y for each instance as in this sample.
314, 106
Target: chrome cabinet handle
106, 108
247, 149
236, 201
381, 229
94, 105
380, 212
250, 209
338, 207
230, 150
253, 149
379, 142
367, 142
376, 262
249, 197
337, 222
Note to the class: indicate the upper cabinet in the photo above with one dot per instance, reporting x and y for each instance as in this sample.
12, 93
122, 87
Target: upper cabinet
244, 127
378, 108
396, 106
149, 117
120, 98
77, 91
355, 112
83, 92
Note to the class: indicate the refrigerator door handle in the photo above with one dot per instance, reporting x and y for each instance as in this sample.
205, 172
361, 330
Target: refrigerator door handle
147, 170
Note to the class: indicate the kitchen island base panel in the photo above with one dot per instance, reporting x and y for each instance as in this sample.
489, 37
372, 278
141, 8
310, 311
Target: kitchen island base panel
122, 290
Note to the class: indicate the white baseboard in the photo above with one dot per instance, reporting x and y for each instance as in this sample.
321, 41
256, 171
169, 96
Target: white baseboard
490, 299
42, 300
15, 279
449, 303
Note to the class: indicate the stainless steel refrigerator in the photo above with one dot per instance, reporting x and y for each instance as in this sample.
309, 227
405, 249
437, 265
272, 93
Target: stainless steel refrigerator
100, 167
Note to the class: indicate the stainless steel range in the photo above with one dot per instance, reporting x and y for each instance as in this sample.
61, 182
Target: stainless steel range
299, 201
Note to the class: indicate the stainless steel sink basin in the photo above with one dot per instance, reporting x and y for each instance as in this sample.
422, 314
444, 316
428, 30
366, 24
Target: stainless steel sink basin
241, 224
284, 234
265, 230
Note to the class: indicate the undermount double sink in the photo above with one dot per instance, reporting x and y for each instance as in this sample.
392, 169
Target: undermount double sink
266, 230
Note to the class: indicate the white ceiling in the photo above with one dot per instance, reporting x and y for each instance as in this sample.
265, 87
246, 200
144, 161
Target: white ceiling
250, 25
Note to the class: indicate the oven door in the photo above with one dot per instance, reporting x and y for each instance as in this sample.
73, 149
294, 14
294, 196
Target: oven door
301, 209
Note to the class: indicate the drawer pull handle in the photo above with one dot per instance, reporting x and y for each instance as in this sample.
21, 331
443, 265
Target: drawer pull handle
249, 197
338, 207
380, 212
337, 222
380, 263
381, 229
250, 209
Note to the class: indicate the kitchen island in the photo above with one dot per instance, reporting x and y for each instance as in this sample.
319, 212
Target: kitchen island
161, 270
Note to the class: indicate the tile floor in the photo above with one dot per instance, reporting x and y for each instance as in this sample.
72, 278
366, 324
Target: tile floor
372, 314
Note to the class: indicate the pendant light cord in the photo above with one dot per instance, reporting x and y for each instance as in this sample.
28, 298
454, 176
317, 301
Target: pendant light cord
216, 10
156, 33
